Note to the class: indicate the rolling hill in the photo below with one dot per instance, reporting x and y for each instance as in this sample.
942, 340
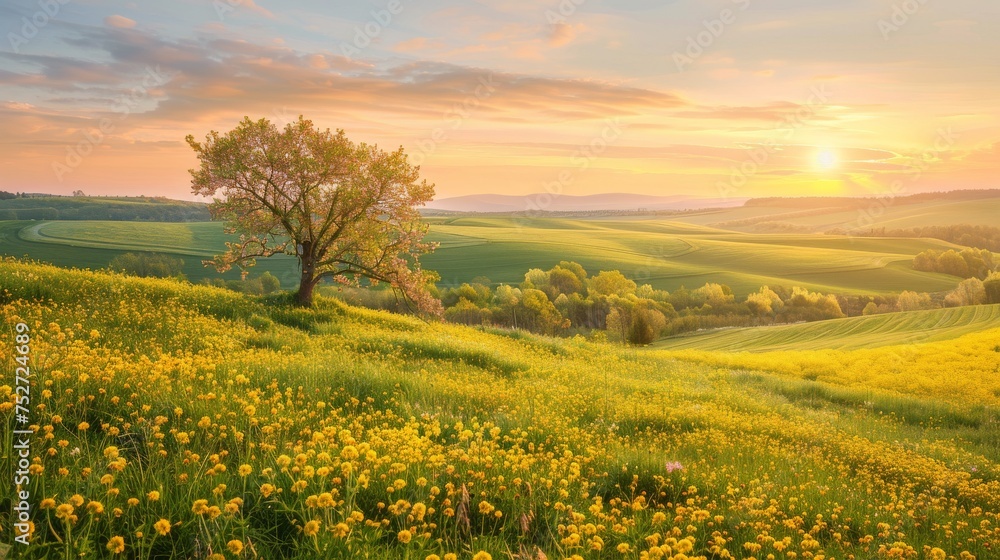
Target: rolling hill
845, 334
572, 203
825, 215
93, 244
665, 253
670, 254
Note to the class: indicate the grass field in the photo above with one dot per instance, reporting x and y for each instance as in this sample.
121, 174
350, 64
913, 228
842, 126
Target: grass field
179, 421
891, 215
845, 334
93, 244
669, 254
663, 253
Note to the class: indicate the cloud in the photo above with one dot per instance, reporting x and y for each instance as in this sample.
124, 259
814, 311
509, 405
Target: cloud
318, 61
561, 34
253, 7
119, 22
544, 105
212, 83
773, 112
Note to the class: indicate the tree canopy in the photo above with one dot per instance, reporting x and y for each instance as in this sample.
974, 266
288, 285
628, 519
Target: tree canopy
348, 211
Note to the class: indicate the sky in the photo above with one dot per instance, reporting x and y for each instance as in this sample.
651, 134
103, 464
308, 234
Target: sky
706, 98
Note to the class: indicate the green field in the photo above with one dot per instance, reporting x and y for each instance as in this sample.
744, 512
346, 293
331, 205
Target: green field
845, 334
93, 244
666, 254
669, 254
893, 214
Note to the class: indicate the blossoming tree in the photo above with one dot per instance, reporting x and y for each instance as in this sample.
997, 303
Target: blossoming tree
347, 211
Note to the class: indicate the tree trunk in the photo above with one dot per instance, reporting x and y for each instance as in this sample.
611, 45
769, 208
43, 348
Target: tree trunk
304, 297
306, 284
308, 281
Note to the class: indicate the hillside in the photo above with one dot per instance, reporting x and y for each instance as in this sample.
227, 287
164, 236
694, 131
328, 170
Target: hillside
137, 208
93, 244
191, 420
669, 254
846, 334
820, 215
570, 203
665, 253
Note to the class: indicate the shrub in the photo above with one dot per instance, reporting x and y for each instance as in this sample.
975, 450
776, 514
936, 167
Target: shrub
991, 287
147, 265
269, 283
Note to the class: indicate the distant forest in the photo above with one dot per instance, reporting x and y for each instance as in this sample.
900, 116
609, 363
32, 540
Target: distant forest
20, 206
980, 237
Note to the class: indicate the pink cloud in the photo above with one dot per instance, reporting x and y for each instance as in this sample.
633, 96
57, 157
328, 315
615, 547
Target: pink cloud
561, 34
119, 22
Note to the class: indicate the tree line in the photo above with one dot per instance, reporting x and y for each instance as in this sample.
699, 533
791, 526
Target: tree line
967, 263
566, 300
982, 237
140, 209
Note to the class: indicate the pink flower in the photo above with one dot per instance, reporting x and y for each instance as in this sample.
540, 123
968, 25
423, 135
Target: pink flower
672, 466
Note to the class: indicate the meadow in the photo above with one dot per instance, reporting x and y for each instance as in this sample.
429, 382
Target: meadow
890, 329
95, 243
668, 254
187, 421
891, 212
659, 251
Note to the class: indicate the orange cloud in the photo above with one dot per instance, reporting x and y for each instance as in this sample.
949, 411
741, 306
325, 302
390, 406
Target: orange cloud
512, 140
561, 34
119, 22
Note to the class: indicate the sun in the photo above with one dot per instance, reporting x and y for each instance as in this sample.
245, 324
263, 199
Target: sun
826, 159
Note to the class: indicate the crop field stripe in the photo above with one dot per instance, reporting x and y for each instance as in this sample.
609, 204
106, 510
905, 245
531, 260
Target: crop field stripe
663, 252
849, 333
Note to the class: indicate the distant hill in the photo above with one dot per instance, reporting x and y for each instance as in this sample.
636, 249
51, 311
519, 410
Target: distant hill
919, 213
862, 202
501, 203
572, 203
131, 209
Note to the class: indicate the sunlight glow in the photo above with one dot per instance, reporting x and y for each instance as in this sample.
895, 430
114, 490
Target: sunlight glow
826, 159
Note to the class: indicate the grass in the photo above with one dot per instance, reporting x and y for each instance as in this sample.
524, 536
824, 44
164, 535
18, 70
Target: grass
197, 239
342, 432
894, 215
93, 244
669, 254
845, 334
666, 254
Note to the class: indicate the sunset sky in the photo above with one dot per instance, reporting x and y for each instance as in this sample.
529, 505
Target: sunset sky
734, 98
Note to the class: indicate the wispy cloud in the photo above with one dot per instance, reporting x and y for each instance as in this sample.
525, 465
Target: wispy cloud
557, 80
